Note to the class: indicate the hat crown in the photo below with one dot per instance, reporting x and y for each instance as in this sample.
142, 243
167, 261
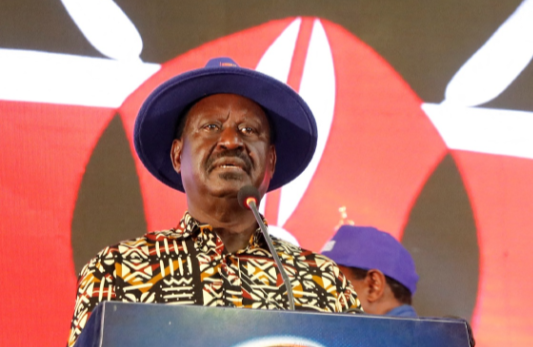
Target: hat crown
369, 248
221, 62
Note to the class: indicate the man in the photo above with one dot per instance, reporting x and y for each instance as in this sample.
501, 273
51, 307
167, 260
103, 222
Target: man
380, 269
208, 133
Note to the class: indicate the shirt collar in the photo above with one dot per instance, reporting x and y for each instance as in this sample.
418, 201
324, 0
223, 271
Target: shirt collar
208, 241
402, 311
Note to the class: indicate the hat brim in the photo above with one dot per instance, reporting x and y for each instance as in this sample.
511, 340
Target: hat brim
293, 121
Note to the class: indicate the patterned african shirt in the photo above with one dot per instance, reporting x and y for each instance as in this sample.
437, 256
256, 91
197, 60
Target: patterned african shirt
189, 265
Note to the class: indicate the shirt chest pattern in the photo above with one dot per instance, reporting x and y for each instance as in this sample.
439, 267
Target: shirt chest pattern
188, 265
170, 270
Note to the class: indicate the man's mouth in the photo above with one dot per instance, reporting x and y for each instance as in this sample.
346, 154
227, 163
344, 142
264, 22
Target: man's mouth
231, 162
229, 166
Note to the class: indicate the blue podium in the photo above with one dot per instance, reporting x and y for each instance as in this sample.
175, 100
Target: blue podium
120, 324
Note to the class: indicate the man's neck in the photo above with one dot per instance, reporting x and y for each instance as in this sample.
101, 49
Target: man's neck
233, 224
387, 302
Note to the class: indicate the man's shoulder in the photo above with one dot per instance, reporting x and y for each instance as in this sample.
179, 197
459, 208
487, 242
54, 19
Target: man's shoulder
294, 250
169, 234
403, 311
146, 240
286, 246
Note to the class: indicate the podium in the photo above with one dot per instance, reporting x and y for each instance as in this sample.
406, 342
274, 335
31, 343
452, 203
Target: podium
120, 324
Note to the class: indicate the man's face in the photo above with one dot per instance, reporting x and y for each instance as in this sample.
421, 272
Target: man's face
225, 145
359, 285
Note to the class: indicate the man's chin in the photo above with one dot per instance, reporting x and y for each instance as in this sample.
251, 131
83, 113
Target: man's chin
228, 184
231, 177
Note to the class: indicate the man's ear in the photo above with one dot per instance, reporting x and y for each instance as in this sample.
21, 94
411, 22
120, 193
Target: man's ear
175, 154
376, 282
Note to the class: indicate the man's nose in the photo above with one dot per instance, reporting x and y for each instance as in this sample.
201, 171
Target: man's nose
230, 138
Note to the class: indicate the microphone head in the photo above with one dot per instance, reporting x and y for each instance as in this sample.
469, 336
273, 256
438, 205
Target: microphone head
247, 194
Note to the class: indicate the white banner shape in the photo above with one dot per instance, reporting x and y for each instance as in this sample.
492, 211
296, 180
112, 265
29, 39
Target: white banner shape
276, 62
106, 27
497, 63
317, 88
492, 131
69, 79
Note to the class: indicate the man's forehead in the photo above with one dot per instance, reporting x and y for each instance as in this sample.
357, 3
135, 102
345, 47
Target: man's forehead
226, 103
227, 100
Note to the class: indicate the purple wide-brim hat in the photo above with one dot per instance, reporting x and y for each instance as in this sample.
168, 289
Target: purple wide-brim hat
369, 248
289, 115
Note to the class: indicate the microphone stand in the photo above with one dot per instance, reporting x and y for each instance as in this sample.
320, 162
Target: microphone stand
264, 230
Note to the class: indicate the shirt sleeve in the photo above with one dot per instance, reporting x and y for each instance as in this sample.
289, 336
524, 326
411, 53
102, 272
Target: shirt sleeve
95, 284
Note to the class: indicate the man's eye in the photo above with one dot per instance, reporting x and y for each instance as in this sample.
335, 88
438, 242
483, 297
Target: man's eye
247, 130
211, 127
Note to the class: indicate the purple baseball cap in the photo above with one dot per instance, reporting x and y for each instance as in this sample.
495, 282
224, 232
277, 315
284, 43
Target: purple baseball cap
369, 248
293, 122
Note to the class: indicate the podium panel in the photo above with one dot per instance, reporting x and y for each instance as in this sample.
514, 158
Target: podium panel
117, 324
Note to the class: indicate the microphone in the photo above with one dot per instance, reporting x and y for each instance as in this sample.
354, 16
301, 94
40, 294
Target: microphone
247, 195
249, 198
